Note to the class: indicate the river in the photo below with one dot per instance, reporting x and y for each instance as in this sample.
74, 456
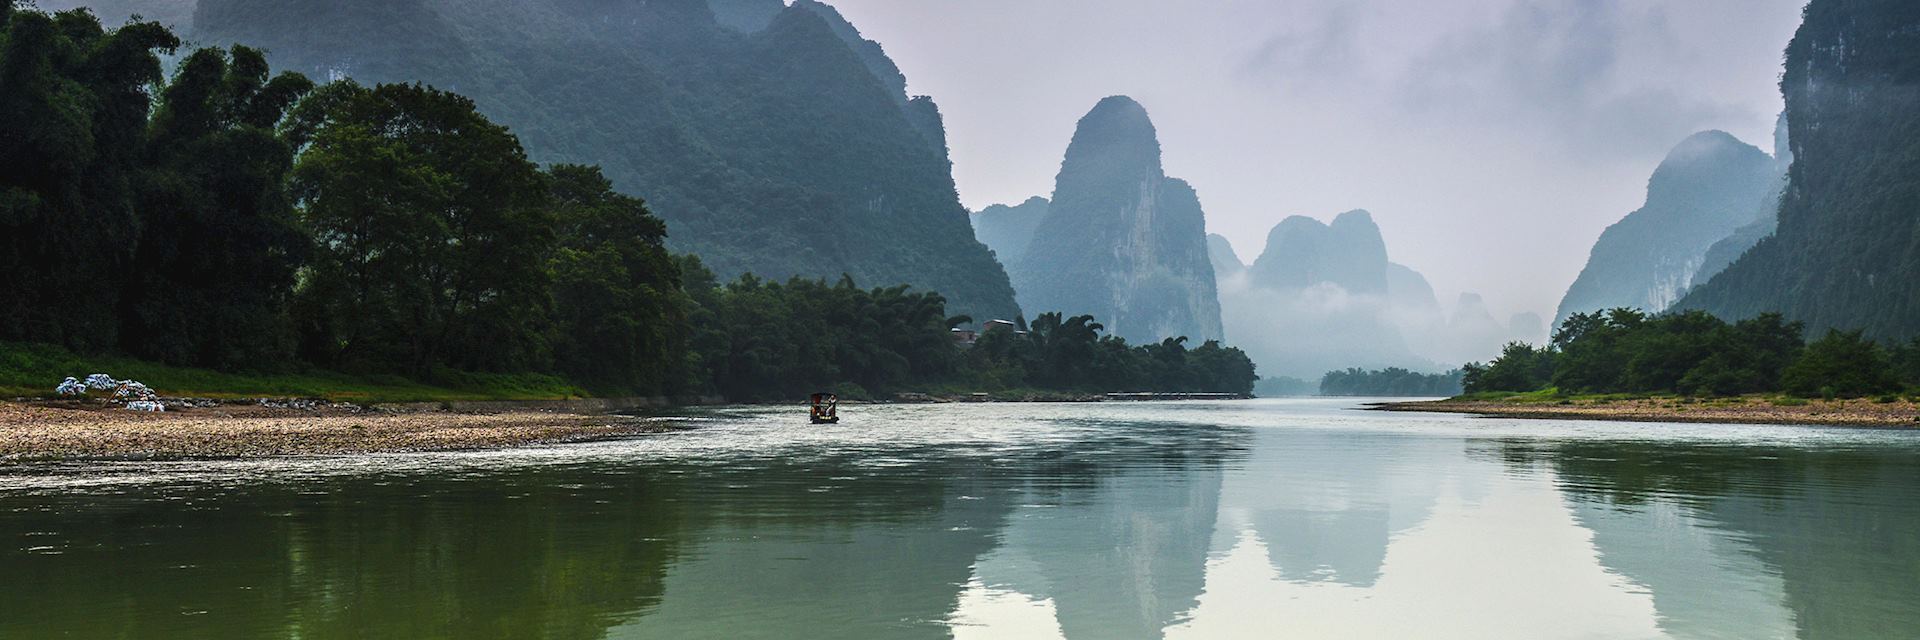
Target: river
1257, 519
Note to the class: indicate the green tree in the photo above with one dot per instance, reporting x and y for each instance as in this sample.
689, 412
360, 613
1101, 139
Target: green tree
1521, 367
1906, 362
1222, 369
1593, 355
219, 240
74, 103
1843, 364
432, 231
1747, 357
620, 316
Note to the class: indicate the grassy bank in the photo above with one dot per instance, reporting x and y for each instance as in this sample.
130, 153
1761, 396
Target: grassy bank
32, 370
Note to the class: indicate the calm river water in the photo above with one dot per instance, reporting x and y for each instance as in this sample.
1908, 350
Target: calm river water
1262, 519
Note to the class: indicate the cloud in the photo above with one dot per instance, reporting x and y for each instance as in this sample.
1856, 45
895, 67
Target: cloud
1572, 71
1311, 50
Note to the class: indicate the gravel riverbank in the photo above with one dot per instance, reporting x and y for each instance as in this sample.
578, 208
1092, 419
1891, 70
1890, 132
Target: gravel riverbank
82, 430
1751, 410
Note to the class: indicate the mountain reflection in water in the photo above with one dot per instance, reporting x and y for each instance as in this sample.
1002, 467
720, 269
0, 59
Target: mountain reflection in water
1177, 520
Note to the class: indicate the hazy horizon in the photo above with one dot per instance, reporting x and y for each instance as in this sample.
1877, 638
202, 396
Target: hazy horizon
1488, 137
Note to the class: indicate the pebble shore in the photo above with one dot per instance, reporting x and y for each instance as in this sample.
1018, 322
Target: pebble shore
1752, 410
88, 431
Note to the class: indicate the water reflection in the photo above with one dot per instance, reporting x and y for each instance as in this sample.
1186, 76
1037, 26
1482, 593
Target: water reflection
1754, 541
1112, 521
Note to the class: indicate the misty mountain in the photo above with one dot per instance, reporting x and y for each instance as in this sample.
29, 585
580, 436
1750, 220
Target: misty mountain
1226, 263
1121, 240
1007, 230
1407, 289
1316, 300
1302, 252
1728, 249
1845, 254
772, 139
1324, 296
1707, 187
1528, 327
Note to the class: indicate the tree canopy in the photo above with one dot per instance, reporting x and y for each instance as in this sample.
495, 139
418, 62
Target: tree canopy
1628, 351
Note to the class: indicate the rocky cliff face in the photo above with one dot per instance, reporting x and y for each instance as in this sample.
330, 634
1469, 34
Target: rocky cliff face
772, 139
1007, 230
1121, 240
1710, 185
1845, 254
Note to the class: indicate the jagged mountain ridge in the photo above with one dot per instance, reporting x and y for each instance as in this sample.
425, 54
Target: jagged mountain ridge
1120, 239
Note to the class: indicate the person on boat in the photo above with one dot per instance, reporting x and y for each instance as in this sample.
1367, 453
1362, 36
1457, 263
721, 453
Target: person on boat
825, 409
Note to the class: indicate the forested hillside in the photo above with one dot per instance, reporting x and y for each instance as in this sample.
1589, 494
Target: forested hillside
790, 149
1847, 251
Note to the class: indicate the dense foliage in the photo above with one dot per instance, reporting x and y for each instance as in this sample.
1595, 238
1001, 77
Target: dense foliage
1844, 255
432, 232
1520, 367
782, 145
151, 222
1627, 351
760, 340
1071, 354
1392, 382
235, 220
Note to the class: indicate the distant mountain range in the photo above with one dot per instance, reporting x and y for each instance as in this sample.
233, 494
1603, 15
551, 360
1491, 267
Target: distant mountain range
1119, 239
1325, 296
773, 139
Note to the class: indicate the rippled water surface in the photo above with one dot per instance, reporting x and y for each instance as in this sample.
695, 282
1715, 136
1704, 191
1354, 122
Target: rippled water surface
1282, 518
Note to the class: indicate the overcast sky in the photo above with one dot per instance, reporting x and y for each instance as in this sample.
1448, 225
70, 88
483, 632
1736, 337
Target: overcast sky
1492, 139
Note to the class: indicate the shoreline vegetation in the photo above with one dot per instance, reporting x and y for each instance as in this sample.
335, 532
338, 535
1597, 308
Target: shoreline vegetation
1881, 412
261, 234
1625, 364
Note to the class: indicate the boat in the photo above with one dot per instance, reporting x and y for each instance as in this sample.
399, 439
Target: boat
825, 409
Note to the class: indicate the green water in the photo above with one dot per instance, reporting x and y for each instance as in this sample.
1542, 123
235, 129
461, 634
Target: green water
1183, 520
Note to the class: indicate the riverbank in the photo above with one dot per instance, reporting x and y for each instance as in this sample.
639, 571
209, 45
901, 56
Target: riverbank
1864, 412
32, 431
